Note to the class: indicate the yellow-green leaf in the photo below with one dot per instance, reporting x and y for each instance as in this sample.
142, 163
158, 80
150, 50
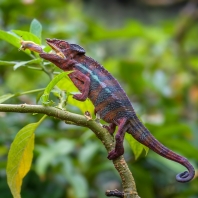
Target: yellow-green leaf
136, 147
83, 106
20, 157
68, 85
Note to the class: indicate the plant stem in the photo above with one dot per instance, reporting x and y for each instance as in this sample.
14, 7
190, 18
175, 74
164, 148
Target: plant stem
105, 137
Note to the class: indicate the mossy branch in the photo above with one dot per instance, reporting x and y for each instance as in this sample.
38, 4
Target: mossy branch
105, 137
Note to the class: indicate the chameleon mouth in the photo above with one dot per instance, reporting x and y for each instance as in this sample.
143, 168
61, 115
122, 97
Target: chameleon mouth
55, 49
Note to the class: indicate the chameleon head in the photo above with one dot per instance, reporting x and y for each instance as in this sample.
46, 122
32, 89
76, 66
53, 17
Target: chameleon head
64, 49
59, 46
58, 57
61, 56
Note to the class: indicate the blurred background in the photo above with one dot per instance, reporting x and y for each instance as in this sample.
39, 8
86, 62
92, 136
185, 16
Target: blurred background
151, 47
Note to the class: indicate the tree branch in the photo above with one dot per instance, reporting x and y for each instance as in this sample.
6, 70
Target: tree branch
105, 137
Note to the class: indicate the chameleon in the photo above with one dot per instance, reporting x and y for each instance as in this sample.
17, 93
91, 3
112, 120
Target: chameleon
110, 101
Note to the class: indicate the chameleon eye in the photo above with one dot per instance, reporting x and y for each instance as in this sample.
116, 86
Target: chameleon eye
61, 45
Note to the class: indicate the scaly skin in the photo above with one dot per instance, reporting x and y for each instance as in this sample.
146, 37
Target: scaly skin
110, 101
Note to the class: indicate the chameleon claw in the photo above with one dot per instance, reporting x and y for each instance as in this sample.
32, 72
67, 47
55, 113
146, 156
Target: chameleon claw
79, 97
113, 154
115, 193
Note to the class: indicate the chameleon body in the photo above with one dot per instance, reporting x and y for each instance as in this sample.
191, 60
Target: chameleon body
110, 101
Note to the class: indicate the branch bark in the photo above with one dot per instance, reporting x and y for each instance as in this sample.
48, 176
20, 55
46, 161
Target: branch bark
120, 164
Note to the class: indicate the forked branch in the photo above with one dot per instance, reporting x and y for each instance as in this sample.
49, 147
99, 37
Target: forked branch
119, 163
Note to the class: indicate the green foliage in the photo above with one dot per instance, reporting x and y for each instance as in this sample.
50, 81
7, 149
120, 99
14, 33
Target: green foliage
156, 67
55, 154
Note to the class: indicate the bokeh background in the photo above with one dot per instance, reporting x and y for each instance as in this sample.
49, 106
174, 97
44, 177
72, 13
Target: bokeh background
151, 47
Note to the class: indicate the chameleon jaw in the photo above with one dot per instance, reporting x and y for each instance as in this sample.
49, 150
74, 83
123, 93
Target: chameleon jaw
56, 50
36, 48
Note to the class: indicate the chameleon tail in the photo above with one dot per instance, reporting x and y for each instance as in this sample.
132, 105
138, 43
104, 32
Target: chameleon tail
142, 135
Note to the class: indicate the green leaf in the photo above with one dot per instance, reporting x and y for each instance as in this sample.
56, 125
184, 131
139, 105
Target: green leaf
36, 28
136, 147
27, 36
20, 157
50, 86
10, 38
25, 63
6, 97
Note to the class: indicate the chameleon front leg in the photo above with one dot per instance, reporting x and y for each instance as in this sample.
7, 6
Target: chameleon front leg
119, 148
82, 82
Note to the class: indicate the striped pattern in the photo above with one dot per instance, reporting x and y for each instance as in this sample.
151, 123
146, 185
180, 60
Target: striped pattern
109, 99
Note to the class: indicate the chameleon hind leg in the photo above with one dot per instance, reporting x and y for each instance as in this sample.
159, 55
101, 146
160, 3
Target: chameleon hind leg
111, 128
119, 148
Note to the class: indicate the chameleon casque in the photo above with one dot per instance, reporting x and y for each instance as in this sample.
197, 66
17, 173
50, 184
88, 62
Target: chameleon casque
110, 101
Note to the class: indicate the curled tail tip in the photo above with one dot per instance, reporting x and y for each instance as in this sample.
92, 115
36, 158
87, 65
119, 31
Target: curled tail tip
185, 176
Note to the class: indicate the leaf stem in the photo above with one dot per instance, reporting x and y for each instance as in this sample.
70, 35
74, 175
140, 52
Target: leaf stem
34, 68
29, 92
